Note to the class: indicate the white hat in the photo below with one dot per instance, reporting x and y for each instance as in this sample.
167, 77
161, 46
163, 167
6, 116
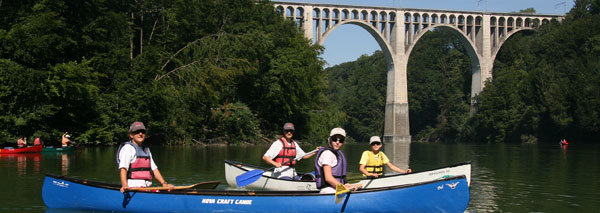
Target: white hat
338, 131
374, 139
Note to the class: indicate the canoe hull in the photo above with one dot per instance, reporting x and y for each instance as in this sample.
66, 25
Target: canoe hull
29, 149
266, 182
59, 149
451, 194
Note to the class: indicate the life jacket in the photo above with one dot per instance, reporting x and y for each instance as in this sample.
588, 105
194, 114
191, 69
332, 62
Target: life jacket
374, 165
287, 153
141, 167
338, 171
37, 141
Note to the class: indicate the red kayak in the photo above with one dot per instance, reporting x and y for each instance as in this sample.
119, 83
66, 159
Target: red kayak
29, 149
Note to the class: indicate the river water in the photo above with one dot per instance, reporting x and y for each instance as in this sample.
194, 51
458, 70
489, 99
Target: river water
505, 177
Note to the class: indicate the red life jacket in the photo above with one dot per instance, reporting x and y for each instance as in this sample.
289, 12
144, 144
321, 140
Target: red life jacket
287, 153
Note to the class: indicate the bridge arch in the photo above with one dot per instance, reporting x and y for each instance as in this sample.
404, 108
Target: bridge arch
397, 30
374, 32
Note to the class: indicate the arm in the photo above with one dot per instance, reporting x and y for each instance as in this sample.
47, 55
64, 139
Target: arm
329, 176
161, 180
311, 154
273, 151
334, 182
123, 177
396, 169
365, 172
270, 161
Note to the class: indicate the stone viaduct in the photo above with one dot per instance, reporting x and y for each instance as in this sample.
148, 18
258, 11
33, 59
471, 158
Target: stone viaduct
397, 30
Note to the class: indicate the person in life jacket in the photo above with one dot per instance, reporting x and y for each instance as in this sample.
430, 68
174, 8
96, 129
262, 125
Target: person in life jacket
136, 166
21, 142
372, 161
37, 141
331, 164
65, 140
284, 154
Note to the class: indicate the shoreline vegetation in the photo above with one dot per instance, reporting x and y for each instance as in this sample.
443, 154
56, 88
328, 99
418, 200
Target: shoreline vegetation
234, 71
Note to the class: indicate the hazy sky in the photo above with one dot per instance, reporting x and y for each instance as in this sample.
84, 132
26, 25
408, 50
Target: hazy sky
348, 42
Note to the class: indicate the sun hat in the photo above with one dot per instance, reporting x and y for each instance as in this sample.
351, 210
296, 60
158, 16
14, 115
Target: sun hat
374, 139
338, 131
135, 126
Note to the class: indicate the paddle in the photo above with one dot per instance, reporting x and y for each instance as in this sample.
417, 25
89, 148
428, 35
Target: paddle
203, 185
340, 190
252, 176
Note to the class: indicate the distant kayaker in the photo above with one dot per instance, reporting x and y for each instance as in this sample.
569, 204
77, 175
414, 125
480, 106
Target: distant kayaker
282, 153
136, 166
21, 142
331, 164
372, 161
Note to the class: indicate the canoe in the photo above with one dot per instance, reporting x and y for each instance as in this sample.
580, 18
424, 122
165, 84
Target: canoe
266, 182
59, 149
448, 194
29, 149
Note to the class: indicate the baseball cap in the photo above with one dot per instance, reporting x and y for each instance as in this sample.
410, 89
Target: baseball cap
288, 126
374, 139
135, 126
338, 131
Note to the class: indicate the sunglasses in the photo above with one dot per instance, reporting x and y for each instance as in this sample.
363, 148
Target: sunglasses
375, 143
337, 139
289, 131
139, 131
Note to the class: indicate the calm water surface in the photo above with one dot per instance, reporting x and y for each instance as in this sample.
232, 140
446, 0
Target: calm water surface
505, 178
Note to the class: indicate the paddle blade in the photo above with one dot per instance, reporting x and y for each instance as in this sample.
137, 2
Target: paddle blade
340, 193
248, 177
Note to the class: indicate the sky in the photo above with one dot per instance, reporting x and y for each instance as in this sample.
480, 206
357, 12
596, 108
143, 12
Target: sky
338, 50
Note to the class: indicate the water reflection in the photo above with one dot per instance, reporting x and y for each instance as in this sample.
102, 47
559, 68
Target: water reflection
483, 199
64, 164
22, 160
399, 155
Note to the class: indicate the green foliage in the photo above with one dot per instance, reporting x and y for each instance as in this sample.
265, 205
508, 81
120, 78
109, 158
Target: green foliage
543, 83
358, 89
209, 71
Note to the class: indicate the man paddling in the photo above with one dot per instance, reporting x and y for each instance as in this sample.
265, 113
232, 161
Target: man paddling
282, 153
136, 166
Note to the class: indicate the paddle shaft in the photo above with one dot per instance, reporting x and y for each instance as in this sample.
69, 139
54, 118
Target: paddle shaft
252, 176
209, 183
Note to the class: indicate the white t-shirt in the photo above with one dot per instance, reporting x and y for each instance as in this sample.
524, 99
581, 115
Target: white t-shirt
284, 171
126, 157
327, 158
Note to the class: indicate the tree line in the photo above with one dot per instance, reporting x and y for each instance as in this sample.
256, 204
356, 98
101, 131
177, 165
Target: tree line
233, 71
194, 71
544, 86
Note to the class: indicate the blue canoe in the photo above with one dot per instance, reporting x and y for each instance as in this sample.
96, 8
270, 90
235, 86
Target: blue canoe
446, 195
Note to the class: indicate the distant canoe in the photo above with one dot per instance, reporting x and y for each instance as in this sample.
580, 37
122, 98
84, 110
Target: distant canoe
29, 149
445, 195
59, 149
266, 182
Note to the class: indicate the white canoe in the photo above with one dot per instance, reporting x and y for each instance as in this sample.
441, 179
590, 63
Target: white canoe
266, 182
